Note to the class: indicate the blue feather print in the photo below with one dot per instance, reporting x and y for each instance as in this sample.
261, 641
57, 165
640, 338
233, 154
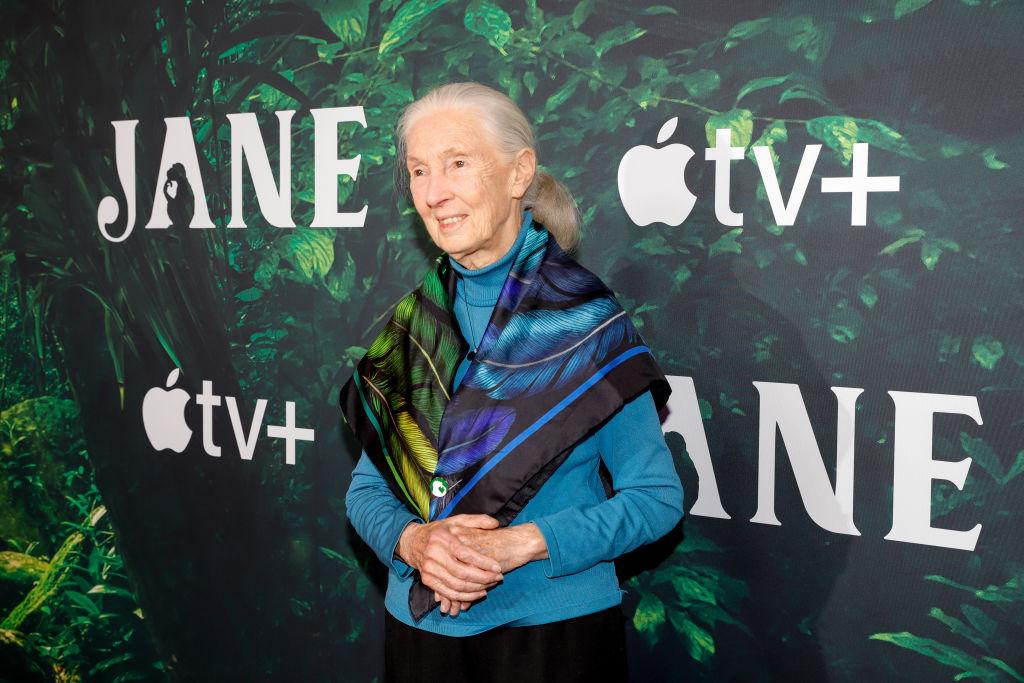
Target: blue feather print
472, 436
546, 349
535, 334
563, 281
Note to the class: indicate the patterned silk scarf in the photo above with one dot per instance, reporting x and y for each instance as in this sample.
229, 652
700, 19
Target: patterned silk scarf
558, 358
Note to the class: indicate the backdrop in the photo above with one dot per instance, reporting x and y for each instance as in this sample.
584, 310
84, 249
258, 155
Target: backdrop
810, 210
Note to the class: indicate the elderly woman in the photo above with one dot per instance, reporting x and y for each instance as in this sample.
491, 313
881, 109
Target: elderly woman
485, 407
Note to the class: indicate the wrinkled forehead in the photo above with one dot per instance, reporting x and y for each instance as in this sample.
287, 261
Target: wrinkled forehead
445, 133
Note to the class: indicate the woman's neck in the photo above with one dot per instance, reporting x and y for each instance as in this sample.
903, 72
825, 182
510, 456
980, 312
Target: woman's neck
483, 285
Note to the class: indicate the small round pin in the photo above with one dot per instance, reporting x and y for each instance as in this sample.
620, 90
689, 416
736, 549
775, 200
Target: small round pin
438, 487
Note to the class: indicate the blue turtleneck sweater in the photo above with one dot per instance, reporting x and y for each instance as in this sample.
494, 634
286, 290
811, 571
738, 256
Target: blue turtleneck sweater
477, 291
583, 529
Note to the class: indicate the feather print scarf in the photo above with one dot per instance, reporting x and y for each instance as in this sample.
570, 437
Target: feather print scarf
558, 358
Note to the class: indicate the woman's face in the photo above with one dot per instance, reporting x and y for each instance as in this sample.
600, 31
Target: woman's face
456, 172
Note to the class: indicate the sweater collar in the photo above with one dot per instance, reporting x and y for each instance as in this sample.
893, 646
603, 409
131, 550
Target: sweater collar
482, 286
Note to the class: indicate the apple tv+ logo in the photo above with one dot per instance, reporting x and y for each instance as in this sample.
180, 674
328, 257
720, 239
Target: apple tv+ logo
653, 189
163, 417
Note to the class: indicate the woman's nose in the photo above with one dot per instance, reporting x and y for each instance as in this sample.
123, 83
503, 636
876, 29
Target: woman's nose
438, 189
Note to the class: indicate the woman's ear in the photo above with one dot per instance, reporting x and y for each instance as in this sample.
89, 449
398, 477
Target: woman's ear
524, 168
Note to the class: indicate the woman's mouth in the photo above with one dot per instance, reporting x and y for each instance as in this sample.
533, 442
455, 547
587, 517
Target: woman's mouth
451, 222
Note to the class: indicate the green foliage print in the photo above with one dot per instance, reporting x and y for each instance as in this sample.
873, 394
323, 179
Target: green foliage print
984, 647
690, 593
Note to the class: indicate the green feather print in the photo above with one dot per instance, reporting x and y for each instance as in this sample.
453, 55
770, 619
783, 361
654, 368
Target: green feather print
408, 376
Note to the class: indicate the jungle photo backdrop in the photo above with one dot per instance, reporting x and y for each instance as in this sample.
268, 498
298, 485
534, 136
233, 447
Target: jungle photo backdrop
173, 461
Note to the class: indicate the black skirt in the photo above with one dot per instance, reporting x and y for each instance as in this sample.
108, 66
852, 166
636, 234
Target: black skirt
588, 648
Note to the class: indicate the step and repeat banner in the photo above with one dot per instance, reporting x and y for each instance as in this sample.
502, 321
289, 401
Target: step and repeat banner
811, 210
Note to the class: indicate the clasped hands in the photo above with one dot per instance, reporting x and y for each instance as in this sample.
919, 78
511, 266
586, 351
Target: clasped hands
462, 556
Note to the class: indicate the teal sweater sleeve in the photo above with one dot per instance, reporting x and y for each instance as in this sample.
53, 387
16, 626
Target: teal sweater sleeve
377, 516
647, 504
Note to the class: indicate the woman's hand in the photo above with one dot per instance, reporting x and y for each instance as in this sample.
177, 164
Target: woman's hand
511, 547
458, 573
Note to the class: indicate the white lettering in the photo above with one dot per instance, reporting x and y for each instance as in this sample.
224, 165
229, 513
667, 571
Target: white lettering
684, 419
782, 405
208, 400
247, 147
124, 149
179, 148
246, 444
289, 432
785, 213
328, 167
914, 469
860, 183
722, 153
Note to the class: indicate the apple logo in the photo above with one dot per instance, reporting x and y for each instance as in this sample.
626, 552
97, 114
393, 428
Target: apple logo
651, 183
163, 416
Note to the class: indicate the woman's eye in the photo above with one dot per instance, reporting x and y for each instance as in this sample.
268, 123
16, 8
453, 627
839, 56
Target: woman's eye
461, 161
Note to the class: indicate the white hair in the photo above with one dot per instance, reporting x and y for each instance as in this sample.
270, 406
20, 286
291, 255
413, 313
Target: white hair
550, 201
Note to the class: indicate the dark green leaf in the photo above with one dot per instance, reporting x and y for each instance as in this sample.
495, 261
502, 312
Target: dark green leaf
911, 236
250, 294
803, 35
987, 350
701, 84
984, 624
312, 252
745, 30
298, 20
726, 243
700, 644
562, 94
956, 626
944, 654
530, 81
486, 19
582, 11
739, 121
1016, 468
655, 245
347, 19
841, 132
407, 22
989, 157
649, 615
659, 9
620, 35
760, 84
803, 92
265, 75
